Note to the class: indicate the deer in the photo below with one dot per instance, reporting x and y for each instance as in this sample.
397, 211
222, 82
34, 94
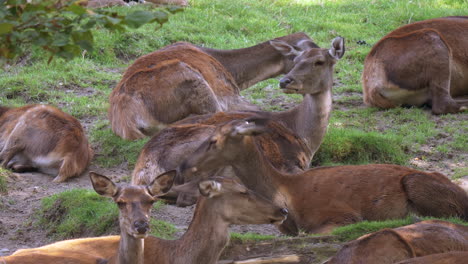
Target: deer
295, 134
420, 63
183, 79
323, 198
406, 244
45, 139
454, 257
222, 202
134, 203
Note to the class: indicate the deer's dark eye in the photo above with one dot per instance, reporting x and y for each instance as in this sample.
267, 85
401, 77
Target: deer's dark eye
319, 63
121, 204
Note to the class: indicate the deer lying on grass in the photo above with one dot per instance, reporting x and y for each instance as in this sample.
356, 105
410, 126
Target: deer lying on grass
321, 199
421, 63
393, 245
455, 257
182, 79
294, 137
222, 202
43, 138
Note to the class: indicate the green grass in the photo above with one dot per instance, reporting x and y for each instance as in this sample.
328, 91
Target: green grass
162, 229
76, 213
4, 174
351, 232
113, 150
460, 173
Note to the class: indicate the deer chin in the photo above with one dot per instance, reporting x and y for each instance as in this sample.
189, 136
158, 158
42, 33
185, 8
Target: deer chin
291, 90
139, 235
277, 221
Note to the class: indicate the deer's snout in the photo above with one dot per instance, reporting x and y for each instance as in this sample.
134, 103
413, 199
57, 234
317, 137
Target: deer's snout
141, 226
284, 82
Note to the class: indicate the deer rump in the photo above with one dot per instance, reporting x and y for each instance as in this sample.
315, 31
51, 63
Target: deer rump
421, 63
41, 137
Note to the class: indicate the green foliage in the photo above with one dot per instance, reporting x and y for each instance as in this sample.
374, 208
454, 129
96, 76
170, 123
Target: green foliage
162, 229
353, 146
250, 237
113, 150
62, 28
76, 213
351, 232
460, 173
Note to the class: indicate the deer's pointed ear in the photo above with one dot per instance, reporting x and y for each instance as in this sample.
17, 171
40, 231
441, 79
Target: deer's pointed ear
284, 48
337, 49
210, 188
162, 184
103, 185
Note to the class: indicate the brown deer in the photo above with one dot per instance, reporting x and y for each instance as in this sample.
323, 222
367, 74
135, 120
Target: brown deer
404, 243
43, 138
182, 79
455, 257
223, 202
134, 202
295, 135
420, 63
321, 199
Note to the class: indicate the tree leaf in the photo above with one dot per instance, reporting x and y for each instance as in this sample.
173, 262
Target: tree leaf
138, 18
5, 28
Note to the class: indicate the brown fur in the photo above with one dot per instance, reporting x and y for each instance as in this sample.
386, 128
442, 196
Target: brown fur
394, 245
223, 202
456, 257
294, 135
40, 137
183, 79
421, 63
321, 199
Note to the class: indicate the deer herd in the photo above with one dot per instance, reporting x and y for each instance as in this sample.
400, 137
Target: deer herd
241, 165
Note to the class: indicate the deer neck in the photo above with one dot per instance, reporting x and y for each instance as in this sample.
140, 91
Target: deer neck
309, 120
268, 181
131, 250
206, 236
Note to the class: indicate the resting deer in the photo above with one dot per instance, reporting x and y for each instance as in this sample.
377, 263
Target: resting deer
182, 79
223, 202
455, 257
134, 202
425, 62
295, 135
41, 137
321, 199
404, 243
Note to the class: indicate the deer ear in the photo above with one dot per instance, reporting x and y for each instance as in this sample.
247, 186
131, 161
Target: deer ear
284, 48
103, 185
162, 184
209, 188
337, 49
251, 127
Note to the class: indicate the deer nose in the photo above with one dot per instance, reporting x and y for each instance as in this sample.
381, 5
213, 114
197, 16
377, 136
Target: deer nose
284, 82
141, 226
284, 211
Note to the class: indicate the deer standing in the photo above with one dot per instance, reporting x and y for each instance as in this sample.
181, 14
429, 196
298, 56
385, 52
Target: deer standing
405, 243
295, 135
321, 199
425, 62
223, 202
41, 137
182, 79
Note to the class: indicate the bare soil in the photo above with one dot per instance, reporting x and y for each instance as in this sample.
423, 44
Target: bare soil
26, 191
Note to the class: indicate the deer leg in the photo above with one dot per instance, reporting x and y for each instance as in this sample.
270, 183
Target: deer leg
433, 194
442, 102
67, 169
8, 153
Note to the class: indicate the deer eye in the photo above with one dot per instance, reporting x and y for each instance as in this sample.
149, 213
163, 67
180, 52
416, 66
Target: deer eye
319, 63
121, 204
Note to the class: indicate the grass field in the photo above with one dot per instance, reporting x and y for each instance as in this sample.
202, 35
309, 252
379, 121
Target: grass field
356, 135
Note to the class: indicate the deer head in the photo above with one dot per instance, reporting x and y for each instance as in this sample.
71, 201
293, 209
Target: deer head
313, 67
221, 148
134, 201
234, 203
